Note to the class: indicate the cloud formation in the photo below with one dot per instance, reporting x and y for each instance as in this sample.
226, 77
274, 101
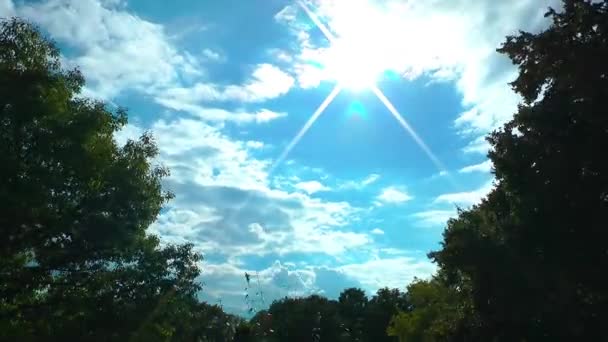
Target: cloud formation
466, 198
434, 217
109, 37
484, 167
449, 46
377, 231
266, 82
393, 195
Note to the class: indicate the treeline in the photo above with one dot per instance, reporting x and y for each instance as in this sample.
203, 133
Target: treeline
528, 263
353, 317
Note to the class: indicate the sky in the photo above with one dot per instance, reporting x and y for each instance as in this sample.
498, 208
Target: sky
315, 145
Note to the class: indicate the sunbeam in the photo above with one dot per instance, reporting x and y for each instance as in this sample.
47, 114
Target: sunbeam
317, 22
409, 129
306, 127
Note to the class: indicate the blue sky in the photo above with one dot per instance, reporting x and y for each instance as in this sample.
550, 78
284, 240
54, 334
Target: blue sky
226, 86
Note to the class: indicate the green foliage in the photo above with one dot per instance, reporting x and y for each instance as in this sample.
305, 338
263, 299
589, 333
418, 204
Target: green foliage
437, 312
75, 260
353, 317
533, 252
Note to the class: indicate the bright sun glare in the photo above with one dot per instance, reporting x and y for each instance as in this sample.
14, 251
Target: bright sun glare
358, 52
352, 65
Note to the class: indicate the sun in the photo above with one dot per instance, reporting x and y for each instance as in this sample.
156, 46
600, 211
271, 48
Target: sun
359, 52
352, 65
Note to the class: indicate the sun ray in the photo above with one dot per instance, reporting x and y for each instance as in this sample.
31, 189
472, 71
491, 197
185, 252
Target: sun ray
406, 126
316, 21
306, 127
409, 129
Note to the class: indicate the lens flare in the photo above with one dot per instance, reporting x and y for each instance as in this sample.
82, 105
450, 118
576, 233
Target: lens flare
406, 126
361, 73
356, 109
306, 127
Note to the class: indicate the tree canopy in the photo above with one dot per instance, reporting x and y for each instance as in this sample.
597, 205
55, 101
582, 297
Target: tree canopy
75, 260
532, 255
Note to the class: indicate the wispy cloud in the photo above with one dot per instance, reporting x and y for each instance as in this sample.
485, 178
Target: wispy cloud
485, 167
372, 274
213, 114
106, 39
478, 145
212, 55
433, 218
267, 82
156, 67
310, 187
360, 184
448, 47
393, 195
466, 198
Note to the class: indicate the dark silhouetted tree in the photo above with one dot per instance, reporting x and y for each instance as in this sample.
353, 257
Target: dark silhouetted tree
534, 251
75, 260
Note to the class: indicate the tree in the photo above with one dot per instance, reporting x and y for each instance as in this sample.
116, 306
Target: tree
75, 260
312, 318
534, 250
352, 305
437, 312
380, 309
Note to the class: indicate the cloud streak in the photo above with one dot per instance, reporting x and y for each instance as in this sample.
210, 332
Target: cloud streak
466, 198
483, 167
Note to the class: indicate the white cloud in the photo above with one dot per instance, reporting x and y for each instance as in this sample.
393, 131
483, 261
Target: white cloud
433, 218
311, 187
227, 283
466, 199
287, 14
440, 39
266, 115
281, 55
392, 251
358, 185
370, 179
224, 201
377, 231
119, 51
212, 55
221, 115
127, 132
395, 272
479, 145
115, 50
485, 167
393, 195
267, 82
254, 144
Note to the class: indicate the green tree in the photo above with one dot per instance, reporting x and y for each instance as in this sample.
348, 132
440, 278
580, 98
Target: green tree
436, 313
352, 305
305, 319
534, 252
75, 260
380, 309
